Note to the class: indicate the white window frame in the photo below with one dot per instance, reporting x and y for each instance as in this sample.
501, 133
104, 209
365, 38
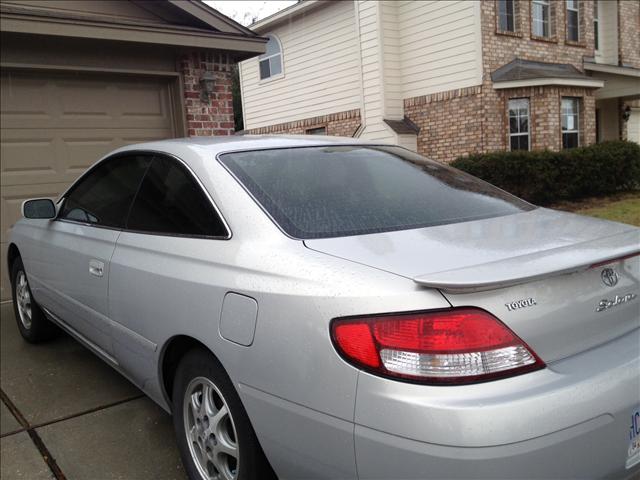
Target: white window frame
547, 20
518, 117
575, 130
575, 9
513, 16
269, 57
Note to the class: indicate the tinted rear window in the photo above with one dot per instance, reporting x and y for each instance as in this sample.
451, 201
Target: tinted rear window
332, 191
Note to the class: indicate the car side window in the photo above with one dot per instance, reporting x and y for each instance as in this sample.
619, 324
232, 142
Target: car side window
103, 197
171, 202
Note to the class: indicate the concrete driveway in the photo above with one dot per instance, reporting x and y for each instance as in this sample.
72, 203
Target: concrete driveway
66, 414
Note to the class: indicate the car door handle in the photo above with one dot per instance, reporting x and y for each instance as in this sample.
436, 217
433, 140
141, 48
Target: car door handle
96, 267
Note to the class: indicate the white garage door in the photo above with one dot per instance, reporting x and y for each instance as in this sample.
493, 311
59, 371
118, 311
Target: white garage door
53, 126
633, 125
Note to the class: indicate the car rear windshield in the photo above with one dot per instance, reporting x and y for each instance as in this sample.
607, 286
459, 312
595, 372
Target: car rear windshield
334, 191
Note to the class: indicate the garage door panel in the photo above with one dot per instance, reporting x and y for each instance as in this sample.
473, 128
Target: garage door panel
54, 126
12, 198
26, 156
25, 98
26, 160
60, 102
148, 102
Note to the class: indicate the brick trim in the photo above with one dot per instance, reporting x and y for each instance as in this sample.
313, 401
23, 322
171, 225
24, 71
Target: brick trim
442, 96
338, 123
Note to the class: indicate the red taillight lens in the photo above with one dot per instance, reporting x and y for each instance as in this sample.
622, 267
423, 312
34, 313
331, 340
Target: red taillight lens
462, 345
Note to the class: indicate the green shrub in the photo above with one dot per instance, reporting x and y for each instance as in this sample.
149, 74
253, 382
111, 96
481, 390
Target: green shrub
545, 177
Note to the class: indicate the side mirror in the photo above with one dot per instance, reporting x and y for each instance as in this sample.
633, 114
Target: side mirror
38, 208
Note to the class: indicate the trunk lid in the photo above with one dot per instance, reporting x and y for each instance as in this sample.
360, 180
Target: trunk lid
540, 272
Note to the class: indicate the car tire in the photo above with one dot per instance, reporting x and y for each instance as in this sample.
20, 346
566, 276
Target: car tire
34, 326
214, 435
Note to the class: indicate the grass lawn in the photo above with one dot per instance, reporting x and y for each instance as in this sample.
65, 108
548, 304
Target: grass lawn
623, 207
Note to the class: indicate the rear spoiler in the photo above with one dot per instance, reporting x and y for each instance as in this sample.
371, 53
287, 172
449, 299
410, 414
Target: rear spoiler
535, 266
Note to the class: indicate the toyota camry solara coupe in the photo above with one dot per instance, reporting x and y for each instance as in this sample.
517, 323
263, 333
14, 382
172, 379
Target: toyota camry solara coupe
320, 308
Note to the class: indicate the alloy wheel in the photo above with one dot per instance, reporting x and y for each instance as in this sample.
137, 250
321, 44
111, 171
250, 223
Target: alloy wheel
210, 431
23, 299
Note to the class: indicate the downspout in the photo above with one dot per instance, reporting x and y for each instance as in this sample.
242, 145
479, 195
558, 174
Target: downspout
363, 116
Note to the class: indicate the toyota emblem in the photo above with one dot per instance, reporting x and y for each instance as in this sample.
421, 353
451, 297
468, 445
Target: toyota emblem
609, 277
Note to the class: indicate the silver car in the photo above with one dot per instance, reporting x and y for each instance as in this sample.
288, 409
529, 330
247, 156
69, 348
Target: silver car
320, 308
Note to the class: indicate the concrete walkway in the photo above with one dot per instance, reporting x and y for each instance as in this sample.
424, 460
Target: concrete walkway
66, 415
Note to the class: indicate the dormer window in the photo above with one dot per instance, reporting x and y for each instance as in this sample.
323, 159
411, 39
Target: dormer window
271, 61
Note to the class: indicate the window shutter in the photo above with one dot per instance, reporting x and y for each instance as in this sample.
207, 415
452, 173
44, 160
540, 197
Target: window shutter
516, 15
552, 19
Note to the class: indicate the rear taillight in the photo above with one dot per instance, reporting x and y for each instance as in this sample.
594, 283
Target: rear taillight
461, 345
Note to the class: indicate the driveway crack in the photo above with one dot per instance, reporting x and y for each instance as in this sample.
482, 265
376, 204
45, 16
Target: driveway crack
35, 438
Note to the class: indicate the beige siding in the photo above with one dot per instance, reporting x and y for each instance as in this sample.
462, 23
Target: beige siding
366, 54
392, 72
369, 13
608, 13
321, 70
439, 45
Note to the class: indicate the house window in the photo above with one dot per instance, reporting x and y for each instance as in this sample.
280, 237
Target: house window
541, 16
519, 124
317, 131
596, 25
570, 122
271, 61
507, 15
573, 21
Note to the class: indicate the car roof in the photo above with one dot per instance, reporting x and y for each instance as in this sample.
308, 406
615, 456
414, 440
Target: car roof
215, 145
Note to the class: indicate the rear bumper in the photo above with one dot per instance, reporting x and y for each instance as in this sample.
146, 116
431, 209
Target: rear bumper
571, 420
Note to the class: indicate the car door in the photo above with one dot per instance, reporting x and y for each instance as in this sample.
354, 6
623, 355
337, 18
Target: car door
162, 274
73, 269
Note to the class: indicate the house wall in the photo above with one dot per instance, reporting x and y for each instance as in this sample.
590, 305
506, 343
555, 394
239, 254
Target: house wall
609, 111
448, 121
402, 49
320, 65
629, 36
215, 115
608, 19
439, 46
391, 59
369, 18
468, 120
432, 62
341, 124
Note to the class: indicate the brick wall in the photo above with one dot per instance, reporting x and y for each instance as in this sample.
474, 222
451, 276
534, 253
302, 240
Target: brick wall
475, 119
499, 50
341, 124
629, 32
214, 117
449, 122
